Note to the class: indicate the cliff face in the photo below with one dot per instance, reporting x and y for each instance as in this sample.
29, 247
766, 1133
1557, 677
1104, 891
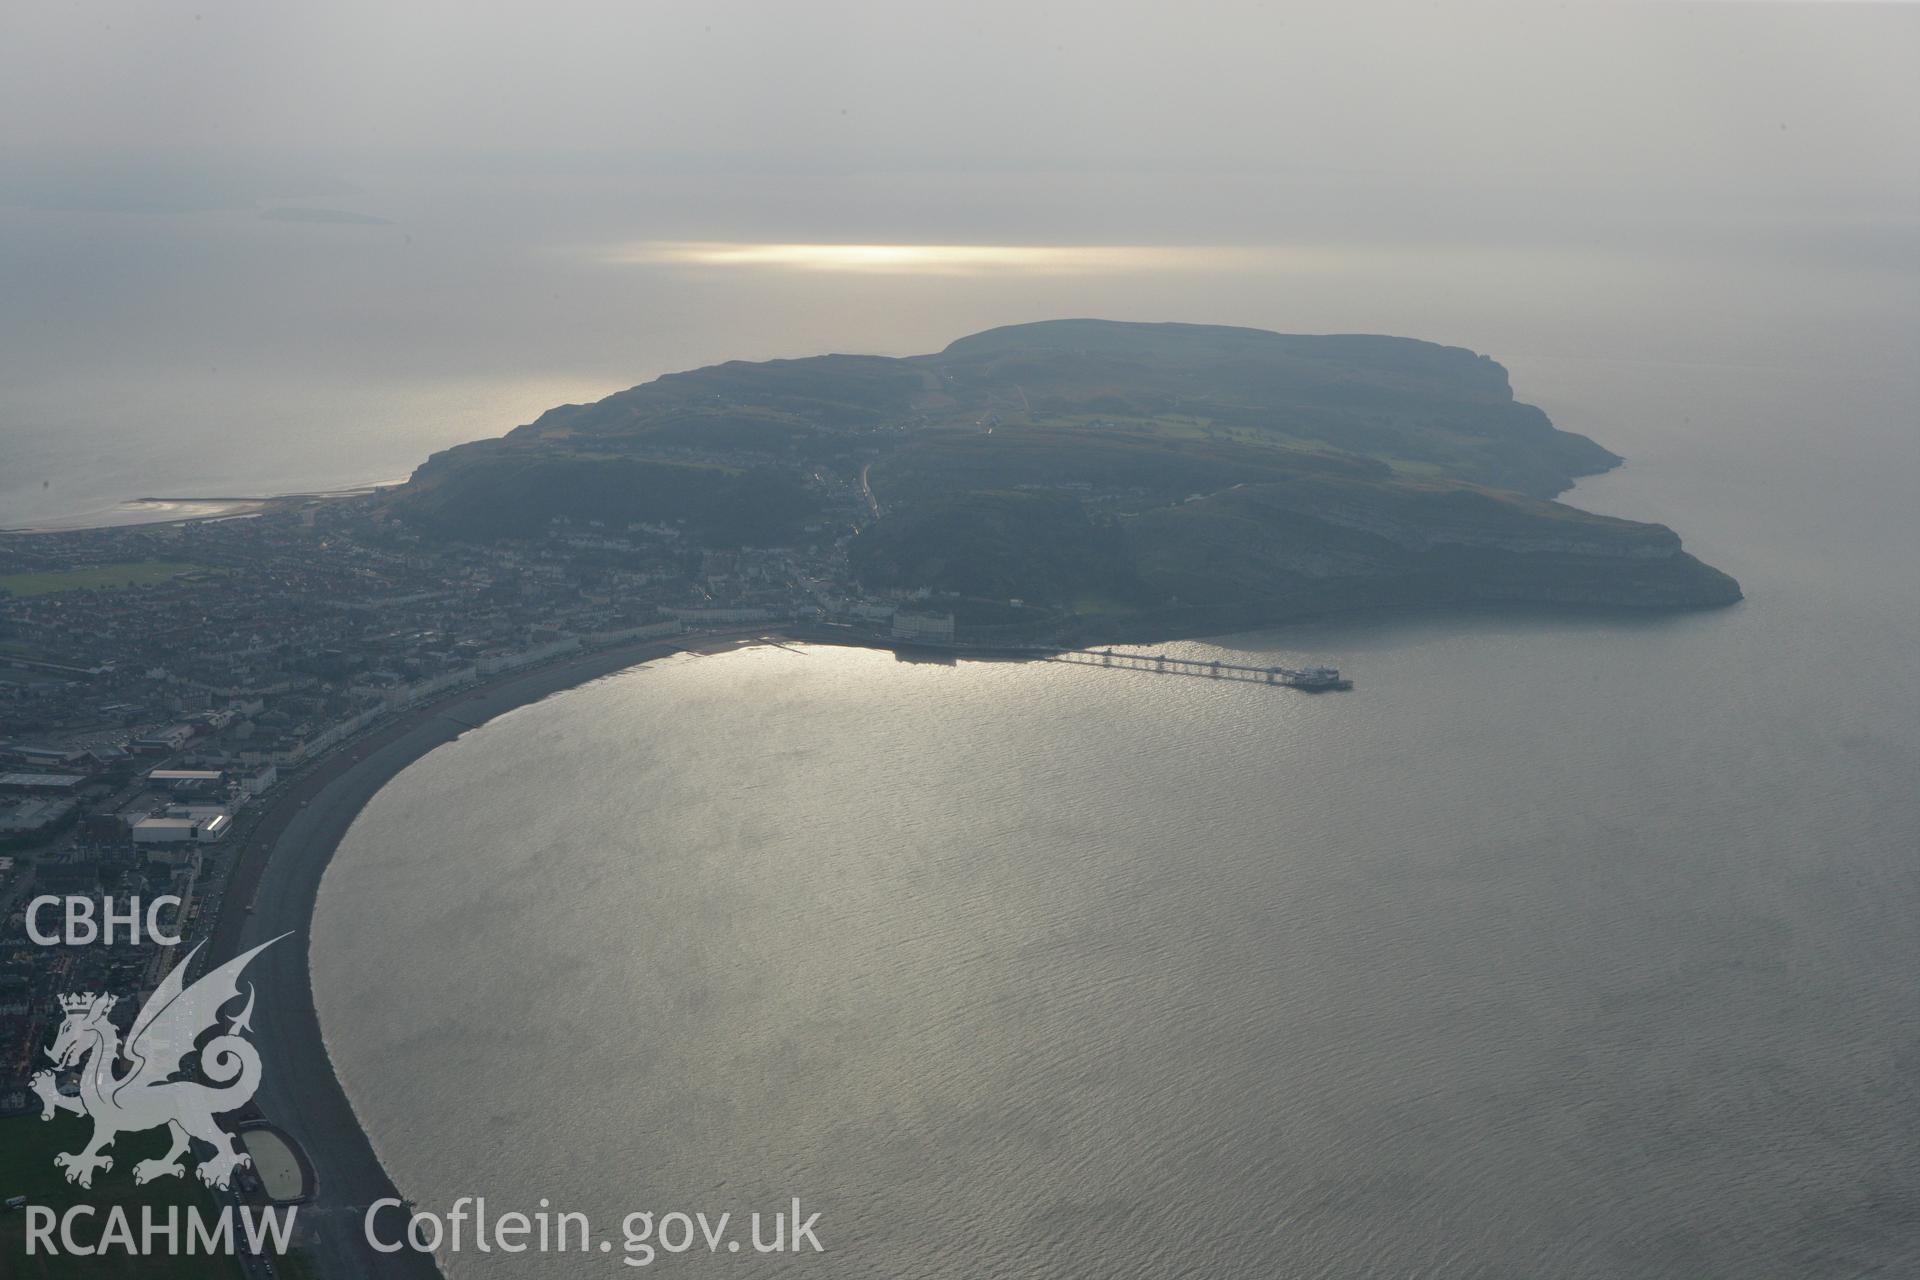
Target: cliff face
1269, 552
1278, 551
1125, 475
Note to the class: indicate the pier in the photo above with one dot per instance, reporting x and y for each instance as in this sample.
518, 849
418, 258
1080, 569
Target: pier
1306, 679
1312, 679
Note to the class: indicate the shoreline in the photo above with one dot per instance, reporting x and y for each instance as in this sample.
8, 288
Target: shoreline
273, 889
155, 513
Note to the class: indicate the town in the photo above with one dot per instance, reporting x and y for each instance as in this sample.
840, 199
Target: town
159, 683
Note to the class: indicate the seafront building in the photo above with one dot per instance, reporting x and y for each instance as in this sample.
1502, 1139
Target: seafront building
923, 628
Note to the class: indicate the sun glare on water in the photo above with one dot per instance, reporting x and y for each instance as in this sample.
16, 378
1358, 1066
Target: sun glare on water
928, 259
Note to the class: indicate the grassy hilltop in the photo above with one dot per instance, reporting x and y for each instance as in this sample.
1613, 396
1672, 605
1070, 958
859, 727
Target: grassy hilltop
1123, 478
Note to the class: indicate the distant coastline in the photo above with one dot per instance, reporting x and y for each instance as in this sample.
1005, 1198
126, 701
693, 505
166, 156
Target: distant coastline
1085, 479
149, 511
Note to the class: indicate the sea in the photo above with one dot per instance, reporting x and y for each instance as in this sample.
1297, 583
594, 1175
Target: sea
1574, 945
1562, 945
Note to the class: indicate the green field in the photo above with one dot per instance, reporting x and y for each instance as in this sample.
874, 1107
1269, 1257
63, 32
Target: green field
132, 573
27, 1147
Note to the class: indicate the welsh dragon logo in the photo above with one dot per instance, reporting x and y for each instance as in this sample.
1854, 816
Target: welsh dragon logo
152, 1091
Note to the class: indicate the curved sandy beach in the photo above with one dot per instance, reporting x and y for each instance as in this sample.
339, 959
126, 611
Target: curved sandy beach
279, 873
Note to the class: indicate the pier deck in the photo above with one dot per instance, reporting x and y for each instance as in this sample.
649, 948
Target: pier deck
1307, 679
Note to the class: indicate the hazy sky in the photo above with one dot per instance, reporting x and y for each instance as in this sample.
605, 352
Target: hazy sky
1767, 94
550, 201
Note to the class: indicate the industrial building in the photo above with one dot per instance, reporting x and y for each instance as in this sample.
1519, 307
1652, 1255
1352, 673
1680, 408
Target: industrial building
57, 783
161, 741
21, 815
182, 827
188, 782
42, 757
